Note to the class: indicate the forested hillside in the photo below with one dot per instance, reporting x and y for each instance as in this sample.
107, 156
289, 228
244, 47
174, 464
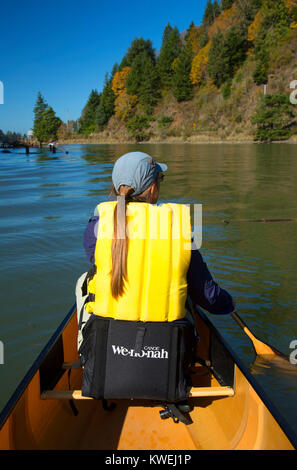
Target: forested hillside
231, 77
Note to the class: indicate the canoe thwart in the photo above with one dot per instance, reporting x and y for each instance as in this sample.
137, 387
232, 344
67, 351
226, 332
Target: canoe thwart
194, 393
63, 395
211, 392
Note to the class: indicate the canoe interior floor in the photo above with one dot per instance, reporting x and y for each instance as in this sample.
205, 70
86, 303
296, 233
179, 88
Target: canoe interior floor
134, 427
129, 426
230, 421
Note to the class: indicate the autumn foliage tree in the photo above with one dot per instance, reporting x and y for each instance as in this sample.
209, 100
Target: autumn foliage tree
223, 22
255, 26
125, 105
199, 65
119, 80
124, 102
193, 37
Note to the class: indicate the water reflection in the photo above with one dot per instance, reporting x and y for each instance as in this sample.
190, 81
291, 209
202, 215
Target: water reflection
276, 366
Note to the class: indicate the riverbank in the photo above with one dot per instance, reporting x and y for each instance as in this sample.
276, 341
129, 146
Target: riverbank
201, 139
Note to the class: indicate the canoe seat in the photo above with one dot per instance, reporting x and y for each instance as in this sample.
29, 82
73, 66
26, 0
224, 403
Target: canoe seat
194, 393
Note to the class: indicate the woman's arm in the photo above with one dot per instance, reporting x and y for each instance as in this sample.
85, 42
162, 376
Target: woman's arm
90, 238
204, 291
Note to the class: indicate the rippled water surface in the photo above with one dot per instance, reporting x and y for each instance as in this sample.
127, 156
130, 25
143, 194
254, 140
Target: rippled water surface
46, 200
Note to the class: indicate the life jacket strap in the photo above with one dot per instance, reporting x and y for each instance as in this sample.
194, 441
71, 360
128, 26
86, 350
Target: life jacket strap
84, 290
139, 339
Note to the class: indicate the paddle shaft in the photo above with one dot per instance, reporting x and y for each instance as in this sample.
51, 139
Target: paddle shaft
226, 221
260, 347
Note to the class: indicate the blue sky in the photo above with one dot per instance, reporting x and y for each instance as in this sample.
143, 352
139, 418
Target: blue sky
64, 48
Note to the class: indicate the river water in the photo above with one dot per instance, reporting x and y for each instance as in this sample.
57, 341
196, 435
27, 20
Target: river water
46, 200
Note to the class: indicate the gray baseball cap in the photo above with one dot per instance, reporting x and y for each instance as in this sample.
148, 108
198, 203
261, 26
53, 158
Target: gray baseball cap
136, 169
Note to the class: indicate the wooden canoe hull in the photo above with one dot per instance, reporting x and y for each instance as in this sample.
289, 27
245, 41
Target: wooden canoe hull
245, 421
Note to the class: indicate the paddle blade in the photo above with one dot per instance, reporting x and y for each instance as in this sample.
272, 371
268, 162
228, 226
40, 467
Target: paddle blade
261, 348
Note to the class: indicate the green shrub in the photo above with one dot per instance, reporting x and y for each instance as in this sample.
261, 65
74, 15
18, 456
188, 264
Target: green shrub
274, 118
226, 89
136, 127
164, 122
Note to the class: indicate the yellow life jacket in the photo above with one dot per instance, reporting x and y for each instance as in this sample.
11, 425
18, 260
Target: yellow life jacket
159, 252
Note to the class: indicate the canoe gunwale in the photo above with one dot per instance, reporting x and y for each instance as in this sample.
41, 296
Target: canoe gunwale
8, 408
291, 435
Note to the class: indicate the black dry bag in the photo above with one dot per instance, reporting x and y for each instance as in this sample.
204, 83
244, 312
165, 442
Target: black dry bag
140, 360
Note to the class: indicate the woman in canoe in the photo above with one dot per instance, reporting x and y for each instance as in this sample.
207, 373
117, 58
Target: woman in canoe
144, 269
137, 177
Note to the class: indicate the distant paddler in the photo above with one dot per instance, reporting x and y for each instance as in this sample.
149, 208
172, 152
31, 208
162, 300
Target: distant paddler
52, 145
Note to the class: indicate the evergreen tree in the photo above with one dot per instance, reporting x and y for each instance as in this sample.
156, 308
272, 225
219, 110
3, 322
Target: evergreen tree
135, 76
46, 123
143, 81
39, 107
226, 4
294, 13
115, 68
105, 109
11, 138
167, 30
138, 46
216, 61
276, 18
212, 10
226, 55
88, 117
170, 50
182, 85
273, 118
262, 68
216, 9
149, 92
248, 10
204, 38
208, 17
49, 125
274, 25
